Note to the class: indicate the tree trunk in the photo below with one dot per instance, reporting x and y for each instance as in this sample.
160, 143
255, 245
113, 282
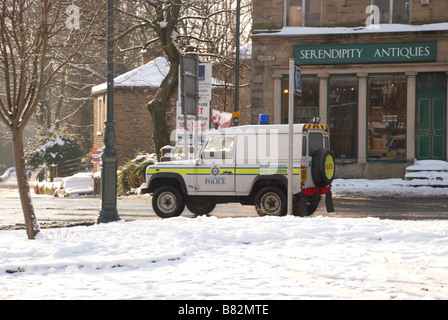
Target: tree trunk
161, 134
31, 223
158, 108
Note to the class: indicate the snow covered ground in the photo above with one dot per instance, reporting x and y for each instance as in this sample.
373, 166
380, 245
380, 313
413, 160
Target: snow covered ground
231, 258
265, 258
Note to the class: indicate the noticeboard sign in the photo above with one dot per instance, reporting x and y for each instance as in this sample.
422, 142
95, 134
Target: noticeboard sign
396, 52
96, 155
203, 123
298, 79
205, 81
189, 84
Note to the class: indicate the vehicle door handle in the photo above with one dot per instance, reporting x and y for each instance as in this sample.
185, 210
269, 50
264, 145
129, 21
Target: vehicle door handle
227, 172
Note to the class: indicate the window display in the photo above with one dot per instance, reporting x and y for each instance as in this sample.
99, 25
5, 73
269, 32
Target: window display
343, 116
306, 107
386, 117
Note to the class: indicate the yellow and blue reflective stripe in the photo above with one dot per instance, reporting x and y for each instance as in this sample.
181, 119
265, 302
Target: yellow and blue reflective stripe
244, 171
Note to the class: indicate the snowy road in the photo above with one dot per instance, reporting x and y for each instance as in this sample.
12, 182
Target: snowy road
71, 211
74, 211
353, 199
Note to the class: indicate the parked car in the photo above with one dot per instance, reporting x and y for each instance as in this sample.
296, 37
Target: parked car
80, 184
56, 183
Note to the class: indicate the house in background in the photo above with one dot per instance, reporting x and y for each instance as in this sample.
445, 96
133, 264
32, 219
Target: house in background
374, 70
133, 124
134, 89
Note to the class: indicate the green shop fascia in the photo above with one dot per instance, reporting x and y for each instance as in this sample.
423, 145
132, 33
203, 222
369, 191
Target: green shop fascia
329, 54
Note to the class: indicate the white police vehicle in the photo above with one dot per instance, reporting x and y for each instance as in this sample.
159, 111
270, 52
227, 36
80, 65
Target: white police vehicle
249, 165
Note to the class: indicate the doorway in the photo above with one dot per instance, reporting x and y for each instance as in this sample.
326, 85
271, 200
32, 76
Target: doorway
430, 132
430, 126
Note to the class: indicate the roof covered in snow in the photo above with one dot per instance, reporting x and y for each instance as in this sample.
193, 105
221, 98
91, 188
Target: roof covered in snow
379, 28
149, 75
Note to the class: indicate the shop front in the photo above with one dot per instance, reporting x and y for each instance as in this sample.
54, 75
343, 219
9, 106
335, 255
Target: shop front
384, 97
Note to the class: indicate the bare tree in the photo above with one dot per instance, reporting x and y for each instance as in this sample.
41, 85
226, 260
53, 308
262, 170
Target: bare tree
33, 36
205, 28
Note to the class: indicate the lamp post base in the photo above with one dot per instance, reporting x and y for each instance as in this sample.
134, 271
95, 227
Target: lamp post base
109, 212
107, 216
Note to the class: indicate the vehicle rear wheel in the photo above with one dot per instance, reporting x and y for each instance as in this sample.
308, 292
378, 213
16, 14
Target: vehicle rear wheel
168, 202
311, 204
200, 205
270, 201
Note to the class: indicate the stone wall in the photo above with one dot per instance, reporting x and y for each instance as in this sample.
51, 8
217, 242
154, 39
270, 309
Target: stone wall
268, 14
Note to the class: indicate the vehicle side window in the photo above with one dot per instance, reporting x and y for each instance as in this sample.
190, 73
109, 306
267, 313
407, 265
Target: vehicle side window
327, 142
316, 142
219, 148
304, 146
228, 143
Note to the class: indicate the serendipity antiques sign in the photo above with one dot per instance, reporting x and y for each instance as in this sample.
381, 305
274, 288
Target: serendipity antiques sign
366, 53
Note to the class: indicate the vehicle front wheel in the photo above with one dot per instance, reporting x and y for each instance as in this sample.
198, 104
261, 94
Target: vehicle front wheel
270, 201
168, 202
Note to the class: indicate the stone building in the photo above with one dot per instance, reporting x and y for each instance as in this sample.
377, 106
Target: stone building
374, 70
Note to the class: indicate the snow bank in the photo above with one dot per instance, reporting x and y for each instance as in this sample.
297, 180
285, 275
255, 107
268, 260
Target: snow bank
428, 165
6, 174
389, 188
426, 178
428, 172
231, 258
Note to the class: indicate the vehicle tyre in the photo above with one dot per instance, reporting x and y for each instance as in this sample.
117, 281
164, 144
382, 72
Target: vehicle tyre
311, 204
200, 206
323, 167
168, 202
270, 201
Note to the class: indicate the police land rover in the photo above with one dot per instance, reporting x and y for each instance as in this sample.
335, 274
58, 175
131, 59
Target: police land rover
249, 165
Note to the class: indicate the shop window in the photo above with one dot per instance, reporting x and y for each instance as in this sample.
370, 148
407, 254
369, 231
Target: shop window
305, 13
343, 116
306, 107
386, 117
393, 11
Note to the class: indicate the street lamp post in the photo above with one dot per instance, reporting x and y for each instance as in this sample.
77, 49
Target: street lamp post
237, 57
109, 158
